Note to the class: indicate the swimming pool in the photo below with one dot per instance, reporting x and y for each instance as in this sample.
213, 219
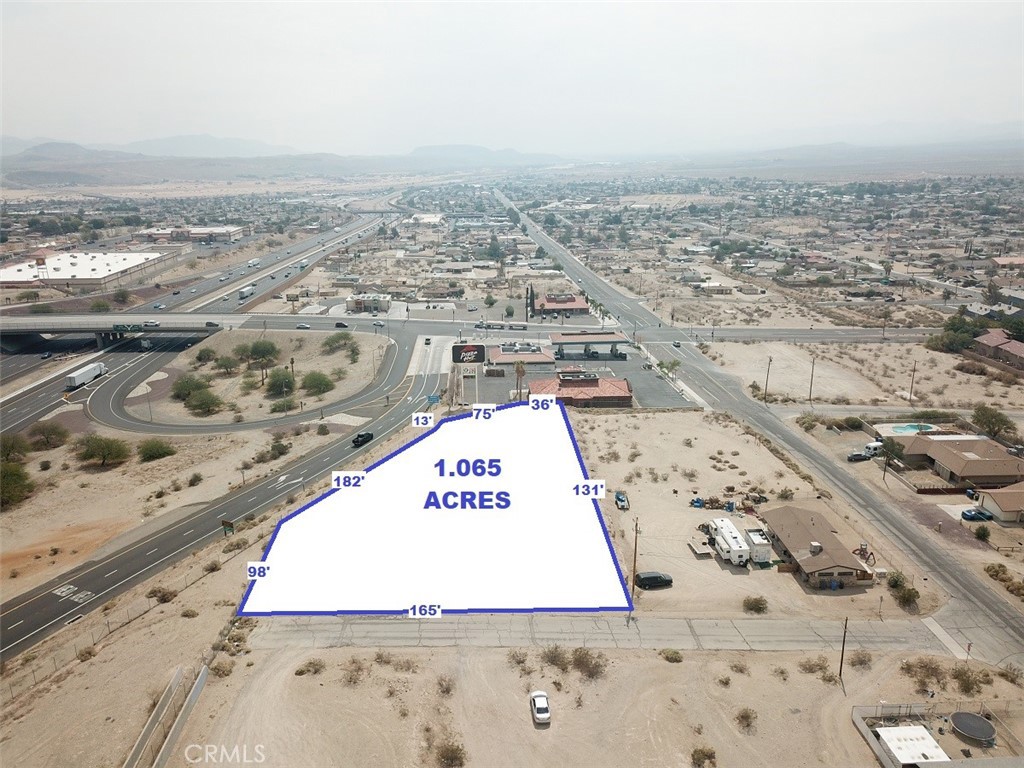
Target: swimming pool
907, 429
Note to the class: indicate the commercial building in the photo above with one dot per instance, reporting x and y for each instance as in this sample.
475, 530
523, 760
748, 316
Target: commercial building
909, 746
225, 234
91, 271
368, 302
585, 389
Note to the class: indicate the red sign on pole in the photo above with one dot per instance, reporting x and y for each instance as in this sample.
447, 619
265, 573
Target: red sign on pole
468, 353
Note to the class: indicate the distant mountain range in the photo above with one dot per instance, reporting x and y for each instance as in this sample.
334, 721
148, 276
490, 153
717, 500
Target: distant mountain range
29, 164
61, 163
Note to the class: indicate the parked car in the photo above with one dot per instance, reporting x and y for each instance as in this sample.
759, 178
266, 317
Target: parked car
340, 324
977, 514
653, 580
858, 456
593, 354
303, 326
362, 439
540, 707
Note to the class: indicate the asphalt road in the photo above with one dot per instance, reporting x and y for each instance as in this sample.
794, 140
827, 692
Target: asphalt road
983, 618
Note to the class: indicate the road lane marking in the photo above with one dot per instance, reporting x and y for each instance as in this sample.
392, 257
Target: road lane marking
186, 533
14, 625
110, 574
152, 551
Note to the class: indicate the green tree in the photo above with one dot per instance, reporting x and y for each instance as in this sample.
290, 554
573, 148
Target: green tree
494, 252
186, 385
335, 342
993, 422
353, 352
670, 367
264, 353
205, 355
48, 434
27, 296
14, 447
892, 448
662, 251
510, 311
317, 383
227, 364
624, 235
280, 382
489, 301
105, 450
99, 306
153, 449
982, 533
203, 402
992, 294
121, 296
243, 352
513, 216
946, 296
550, 220
15, 484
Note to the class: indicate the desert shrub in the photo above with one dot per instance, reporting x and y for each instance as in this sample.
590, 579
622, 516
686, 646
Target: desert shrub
1011, 673
755, 604
746, 718
781, 672
557, 657
15, 484
47, 434
189, 613
323, 429
445, 685
516, 657
44, 465
451, 754
404, 665
671, 655
212, 567
283, 405
970, 681
311, 667
786, 494
84, 654
725, 681
906, 596
162, 594
703, 757
280, 382
317, 383
982, 533
203, 403
235, 545
176, 485
925, 672
195, 479
187, 385
383, 658
153, 449
205, 355
354, 671
860, 659
896, 580
740, 668
588, 663
106, 450
222, 667
813, 666
972, 367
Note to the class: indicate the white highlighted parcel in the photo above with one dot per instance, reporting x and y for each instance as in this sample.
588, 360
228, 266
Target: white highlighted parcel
477, 514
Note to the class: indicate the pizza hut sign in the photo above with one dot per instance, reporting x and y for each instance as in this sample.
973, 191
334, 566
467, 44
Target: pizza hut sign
468, 353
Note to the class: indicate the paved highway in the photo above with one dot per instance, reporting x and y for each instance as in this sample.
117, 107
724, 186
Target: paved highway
976, 614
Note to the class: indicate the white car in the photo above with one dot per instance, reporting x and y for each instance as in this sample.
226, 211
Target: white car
151, 324
378, 323
303, 326
539, 707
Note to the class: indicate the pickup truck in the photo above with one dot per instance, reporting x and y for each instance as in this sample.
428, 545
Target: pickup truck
621, 500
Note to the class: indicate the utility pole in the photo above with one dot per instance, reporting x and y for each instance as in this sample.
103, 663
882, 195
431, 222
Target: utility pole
767, 373
913, 371
842, 652
810, 392
636, 543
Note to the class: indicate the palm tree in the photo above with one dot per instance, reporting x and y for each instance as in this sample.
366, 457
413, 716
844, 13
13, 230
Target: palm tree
520, 368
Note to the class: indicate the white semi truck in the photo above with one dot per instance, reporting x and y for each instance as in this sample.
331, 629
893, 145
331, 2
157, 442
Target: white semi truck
84, 375
728, 542
245, 293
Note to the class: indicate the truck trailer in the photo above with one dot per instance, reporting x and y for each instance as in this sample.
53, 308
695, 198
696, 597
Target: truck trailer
246, 292
760, 546
84, 375
253, 263
728, 542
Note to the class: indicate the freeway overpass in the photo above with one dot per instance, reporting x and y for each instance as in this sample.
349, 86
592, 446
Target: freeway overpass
109, 329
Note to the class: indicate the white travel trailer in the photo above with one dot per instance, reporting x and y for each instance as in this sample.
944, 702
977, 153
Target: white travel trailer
729, 544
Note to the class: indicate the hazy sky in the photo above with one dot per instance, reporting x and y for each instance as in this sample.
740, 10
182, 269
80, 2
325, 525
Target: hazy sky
565, 78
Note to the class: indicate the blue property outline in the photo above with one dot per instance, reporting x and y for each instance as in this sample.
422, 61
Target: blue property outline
405, 611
